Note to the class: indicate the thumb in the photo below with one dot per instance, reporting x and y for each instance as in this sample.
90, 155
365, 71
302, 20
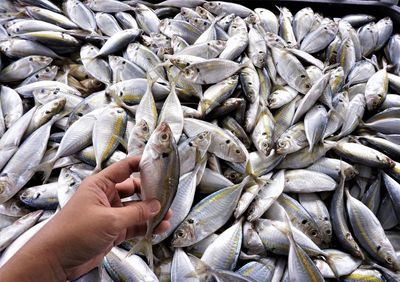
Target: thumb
137, 213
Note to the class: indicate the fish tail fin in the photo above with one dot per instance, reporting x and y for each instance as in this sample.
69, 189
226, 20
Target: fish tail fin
46, 168
288, 229
201, 268
332, 265
144, 246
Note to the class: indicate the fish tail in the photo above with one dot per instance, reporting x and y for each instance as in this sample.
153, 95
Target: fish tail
201, 268
144, 246
46, 168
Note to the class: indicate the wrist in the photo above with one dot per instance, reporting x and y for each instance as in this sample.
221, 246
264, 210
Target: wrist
29, 265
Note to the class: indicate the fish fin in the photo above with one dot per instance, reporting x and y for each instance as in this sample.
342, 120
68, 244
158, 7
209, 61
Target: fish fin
332, 265
372, 62
247, 63
46, 168
121, 141
144, 246
249, 169
201, 268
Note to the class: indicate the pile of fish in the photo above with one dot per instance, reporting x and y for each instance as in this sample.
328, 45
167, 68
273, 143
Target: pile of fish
273, 135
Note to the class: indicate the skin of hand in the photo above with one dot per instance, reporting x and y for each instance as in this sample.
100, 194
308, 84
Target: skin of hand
77, 238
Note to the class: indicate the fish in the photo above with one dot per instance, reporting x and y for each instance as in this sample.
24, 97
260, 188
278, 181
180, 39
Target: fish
160, 154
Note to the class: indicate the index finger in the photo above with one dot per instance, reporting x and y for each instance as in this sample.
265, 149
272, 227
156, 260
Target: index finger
121, 170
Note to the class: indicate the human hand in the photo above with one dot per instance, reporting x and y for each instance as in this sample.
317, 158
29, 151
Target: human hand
94, 220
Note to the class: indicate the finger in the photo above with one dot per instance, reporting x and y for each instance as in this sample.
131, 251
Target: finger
162, 227
129, 187
121, 170
168, 215
136, 213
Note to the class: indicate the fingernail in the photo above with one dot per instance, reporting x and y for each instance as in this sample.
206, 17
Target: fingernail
154, 206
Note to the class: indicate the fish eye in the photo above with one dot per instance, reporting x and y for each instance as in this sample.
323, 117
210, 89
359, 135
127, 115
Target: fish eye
232, 175
304, 221
201, 137
37, 76
190, 220
237, 151
30, 59
389, 260
164, 137
314, 233
121, 93
47, 112
228, 141
329, 232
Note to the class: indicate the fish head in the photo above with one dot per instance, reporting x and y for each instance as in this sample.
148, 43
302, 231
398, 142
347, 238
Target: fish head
385, 251
162, 139
200, 23
53, 107
374, 101
164, 23
326, 230
272, 102
259, 59
114, 61
141, 130
51, 69
265, 146
185, 234
350, 172
7, 185
191, 73
92, 84
386, 160
186, 13
5, 46
29, 195
204, 11
41, 60
233, 175
179, 62
201, 141
234, 152
217, 45
282, 146
14, 29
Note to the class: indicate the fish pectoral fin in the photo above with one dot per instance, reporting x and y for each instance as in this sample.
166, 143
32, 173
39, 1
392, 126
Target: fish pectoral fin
121, 141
